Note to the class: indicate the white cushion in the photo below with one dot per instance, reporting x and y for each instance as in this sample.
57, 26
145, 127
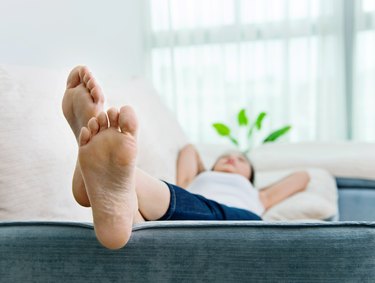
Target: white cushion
345, 158
318, 201
37, 148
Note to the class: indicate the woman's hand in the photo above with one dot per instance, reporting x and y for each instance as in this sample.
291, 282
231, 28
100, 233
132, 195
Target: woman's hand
290, 185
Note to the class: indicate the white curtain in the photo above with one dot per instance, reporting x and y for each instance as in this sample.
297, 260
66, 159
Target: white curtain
210, 58
364, 71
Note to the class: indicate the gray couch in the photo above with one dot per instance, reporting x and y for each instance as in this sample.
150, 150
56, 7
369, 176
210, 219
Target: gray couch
198, 251
36, 171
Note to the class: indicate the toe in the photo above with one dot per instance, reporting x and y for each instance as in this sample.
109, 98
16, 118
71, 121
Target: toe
91, 83
94, 88
103, 121
128, 120
95, 91
93, 126
87, 76
74, 78
84, 73
97, 94
113, 117
84, 136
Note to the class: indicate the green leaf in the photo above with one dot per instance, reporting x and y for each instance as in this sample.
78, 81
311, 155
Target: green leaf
259, 120
222, 129
277, 134
242, 118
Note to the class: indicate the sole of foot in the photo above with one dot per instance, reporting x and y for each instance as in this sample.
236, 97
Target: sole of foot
107, 155
83, 99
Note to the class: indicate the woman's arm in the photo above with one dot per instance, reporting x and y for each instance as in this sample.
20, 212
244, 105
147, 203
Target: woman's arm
189, 165
283, 189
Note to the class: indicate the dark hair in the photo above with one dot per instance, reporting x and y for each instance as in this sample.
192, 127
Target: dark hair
252, 170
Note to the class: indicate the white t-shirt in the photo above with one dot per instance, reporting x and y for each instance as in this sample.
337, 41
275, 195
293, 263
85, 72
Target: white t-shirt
229, 189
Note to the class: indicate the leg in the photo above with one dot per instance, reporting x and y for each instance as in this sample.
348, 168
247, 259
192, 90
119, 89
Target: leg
158, 200
153, 196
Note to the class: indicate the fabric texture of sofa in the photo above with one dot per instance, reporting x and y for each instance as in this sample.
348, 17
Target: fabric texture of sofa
45, 236
191, 252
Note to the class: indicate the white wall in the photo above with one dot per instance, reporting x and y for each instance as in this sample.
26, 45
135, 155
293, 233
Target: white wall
108, 36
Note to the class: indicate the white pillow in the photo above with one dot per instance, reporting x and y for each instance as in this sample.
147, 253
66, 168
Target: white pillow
37, 148
318, 201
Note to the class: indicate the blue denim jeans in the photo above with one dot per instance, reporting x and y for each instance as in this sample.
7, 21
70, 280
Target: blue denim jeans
187, 206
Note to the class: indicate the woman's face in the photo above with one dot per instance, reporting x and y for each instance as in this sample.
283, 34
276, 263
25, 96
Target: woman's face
233, 163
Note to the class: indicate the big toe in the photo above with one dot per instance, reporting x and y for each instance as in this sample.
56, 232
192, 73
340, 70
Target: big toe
76, 76
84, 136
128, 122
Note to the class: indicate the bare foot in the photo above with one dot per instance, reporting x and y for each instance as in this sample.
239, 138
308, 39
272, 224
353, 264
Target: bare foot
107, 157
83, 99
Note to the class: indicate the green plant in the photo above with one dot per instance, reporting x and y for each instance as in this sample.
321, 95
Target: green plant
244, 123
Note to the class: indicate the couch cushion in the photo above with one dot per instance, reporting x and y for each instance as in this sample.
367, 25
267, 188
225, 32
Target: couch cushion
345, 159
37, 148
183, 251
318, 201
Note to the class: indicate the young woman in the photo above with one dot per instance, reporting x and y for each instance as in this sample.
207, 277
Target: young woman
120, 194
231, 181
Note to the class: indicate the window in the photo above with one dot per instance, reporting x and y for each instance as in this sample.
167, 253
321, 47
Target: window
364, 72
210, 58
